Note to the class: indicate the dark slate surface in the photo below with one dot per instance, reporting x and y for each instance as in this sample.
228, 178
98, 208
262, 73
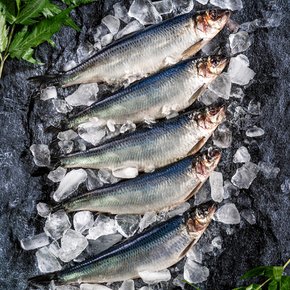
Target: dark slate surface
23, 185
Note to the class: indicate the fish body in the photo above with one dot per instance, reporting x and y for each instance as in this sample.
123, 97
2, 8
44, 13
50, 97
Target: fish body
155, 249
147, 149
147, 51
155, 191
173, 89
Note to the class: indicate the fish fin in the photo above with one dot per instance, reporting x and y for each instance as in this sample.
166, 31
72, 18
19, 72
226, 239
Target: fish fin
197, 146
192, 50
43, 279
183, 253
194, 191
47, 80
197, 93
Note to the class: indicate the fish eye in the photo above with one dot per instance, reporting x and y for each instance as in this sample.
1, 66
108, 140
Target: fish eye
213, 14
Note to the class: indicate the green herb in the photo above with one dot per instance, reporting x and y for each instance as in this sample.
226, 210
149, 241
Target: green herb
276, 280
25, 24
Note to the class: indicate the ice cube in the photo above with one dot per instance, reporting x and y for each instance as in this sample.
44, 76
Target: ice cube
56, 224
69, 184
54, 248
112, 22
93, 181
107, 177
83, 220
72, 244
57, 175
145, 288
66, 146
163, 6
67, 135
195, 254
202, 195
46, 261
242, 155
91, 132
48, 93
35, 242
217, 242
194, 272
155, 277
245, 175
221, 86
237, 93
255, 132
69, 65
216, 186
128, 172
203, 2
81, 145
228, 214
272, 19
111, 125
148, 219
249, 216
268, 169
121, 12
41, 154
127, 285
93, 287
285, 186
182, 6
127, 225
239, 70
85, 95
208, 97
43, 209
61, 106
222, 137
131, 27
66, 287
144, 11
129, 126
103, 226
179, 210
251, 26
239, 41
254, 108
84, 51
228, 4
107, 39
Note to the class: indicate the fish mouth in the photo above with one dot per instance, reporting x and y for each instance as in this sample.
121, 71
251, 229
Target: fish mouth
217, 14
207, 162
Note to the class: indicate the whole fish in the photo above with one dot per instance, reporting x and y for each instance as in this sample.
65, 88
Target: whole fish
173, 89
147, 149
164, 188
146, 51
153, 250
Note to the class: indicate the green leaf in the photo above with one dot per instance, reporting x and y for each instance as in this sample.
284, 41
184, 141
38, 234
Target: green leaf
51, 10
3, 30
77, 2
258, 271
240, 288
277, 272
253, 287
69, 22
273, 285
30, 11
28, 56
8, 8
285, 283
18, 3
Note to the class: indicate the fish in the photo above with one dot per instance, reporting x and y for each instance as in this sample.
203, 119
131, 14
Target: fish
151, 148
173, 89
156, 191
158, 248
144, 52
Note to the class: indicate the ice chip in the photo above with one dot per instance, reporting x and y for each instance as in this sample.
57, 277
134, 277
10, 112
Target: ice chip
66, 146
43, 209
69, 184
195, 254
237, 93
217, 242
268, 169
221, 86
128, 172
228, 214
61, 106
249, 216
127, 285
163, 6
255, 132
107, 39
245, 175
107, 177
208, 97
54, 248
65, 287
56, 224
93, 181
144, 11
72, 244
129, 126
67, 135
230, 190
216, 186
35, 242
41, 154
222, 137
57, 175
48, 93
103, 226
285, 186
84, 51
85, 95
93, 287
194, 272
91, 132
155, 277
111, 125
112, 22
242, 155
228, 4
254, 108
69, 65
46, 261
127, 225
83, 220
182, 6
203, 2
131, 27
202, 195
179, 210
148, 219
239, 70
239, 41
121, 12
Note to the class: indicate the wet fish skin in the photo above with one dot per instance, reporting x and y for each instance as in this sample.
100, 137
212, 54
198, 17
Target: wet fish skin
146, 51
163, 144
164, 188
175, 88
155, 249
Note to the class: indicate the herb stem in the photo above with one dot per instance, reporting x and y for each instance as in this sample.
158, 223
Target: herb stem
286, 264
268, 280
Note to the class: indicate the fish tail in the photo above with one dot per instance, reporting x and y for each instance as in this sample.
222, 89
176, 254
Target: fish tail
47, 80
43, 279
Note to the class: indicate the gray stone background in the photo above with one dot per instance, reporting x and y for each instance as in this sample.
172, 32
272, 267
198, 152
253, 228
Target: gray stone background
22, 185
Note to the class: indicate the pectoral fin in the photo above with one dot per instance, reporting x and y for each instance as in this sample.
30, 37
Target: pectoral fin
195, 190
197, 93
197, 146
183, 253
192, 50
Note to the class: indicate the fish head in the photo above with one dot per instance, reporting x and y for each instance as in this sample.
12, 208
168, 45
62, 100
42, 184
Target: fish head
212, 66
200, 217
206, 163
210, 22
211, 117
